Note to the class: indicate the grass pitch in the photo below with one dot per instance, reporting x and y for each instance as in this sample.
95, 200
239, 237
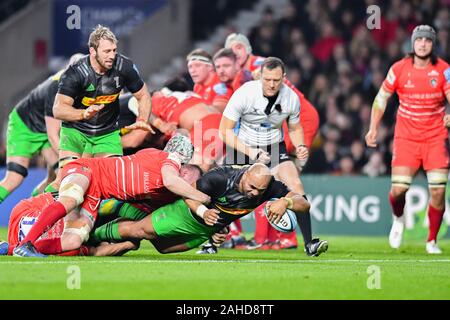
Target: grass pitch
353, 268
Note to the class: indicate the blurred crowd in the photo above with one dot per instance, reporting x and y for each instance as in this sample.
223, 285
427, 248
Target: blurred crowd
339, 64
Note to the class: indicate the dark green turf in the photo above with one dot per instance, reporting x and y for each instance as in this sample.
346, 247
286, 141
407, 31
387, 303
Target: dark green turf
341, 273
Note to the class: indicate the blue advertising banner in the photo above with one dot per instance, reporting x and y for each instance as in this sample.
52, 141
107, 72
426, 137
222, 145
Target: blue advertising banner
73, 20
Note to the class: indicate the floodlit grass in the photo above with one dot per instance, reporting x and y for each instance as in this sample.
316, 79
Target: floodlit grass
353, 268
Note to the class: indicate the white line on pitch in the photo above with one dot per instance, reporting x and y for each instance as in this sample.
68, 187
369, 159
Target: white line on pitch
22, 261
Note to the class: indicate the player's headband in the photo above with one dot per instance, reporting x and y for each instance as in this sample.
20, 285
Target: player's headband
200, 58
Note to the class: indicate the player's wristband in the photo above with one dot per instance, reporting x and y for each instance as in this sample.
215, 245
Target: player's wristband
201, 211
302, 145
289, 201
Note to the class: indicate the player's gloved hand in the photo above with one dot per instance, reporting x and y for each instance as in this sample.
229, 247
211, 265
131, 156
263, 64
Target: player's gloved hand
276, 209
371, 138
140, 124
447, 120
261, 156
219, 237
91, 111
302, 154
210, 216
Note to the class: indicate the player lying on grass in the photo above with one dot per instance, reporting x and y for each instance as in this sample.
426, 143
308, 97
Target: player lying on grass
149, 174
67, 230
235, 191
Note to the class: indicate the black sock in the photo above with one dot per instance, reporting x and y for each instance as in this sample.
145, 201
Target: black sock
304, 222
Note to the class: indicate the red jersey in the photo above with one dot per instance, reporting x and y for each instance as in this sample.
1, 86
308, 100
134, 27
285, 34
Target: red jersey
253, 62
214, 91
24, 216
134, 177
421, 93
170, 107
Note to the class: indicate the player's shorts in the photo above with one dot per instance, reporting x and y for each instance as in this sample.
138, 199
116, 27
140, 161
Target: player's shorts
92, 196
73, 140
206, 139
430, 155
278, 154
21, 141
24, 216
310, 125
176, 220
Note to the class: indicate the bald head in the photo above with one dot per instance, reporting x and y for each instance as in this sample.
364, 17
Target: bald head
255, 180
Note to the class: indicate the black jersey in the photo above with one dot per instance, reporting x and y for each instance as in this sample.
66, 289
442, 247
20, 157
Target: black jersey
39, 103
86, 87
222, 185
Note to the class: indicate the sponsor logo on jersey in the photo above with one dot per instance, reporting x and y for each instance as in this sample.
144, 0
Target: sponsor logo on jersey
220, 88
222, 199
233, 211
433, 82
409, 84
99, 100
433, 73
447, 74
90, 87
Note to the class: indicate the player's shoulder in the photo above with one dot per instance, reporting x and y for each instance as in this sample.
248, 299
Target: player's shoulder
78, 70
402, 63
124, 64
441, 64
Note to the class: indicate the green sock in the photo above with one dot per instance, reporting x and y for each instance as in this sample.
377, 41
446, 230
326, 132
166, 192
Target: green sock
35, 192
132, 213
3, 194
50, 188
108, 232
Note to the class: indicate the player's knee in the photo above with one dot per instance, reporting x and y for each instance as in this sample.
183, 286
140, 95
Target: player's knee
400, 185
437, 182
437, 194
71, 241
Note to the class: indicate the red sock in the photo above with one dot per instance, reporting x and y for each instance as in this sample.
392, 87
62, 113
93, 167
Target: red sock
262, 225
82, 251
397, 205
435, 218
290, 236
272, 234
52, 213
49, 246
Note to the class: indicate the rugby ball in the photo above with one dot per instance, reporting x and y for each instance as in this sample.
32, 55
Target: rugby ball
287, 223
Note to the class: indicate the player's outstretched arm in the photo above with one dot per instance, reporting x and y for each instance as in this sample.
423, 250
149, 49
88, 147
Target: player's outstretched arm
177, 185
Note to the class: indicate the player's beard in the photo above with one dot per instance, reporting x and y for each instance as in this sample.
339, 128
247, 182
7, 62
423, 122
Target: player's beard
102, 64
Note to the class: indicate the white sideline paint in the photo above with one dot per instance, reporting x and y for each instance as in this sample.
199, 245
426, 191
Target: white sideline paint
21, 261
